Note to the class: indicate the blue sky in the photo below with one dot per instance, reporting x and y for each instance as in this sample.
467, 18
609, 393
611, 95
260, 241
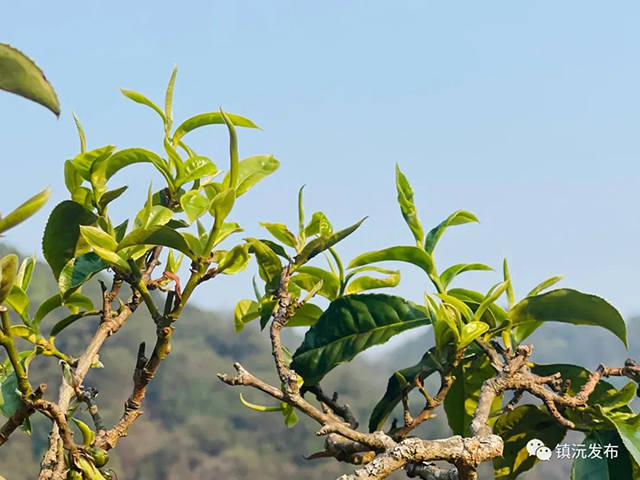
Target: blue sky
526, 113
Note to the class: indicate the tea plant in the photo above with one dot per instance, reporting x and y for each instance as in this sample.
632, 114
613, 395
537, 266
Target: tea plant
479, 351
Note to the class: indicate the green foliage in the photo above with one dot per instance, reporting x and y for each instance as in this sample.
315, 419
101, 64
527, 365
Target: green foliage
348, 327
20, 75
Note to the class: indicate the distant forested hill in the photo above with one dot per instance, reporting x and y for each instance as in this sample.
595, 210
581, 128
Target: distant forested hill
195, 427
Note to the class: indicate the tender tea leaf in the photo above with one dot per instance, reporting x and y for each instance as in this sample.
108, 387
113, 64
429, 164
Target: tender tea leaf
306, 277
235, 260
196, 168
62, 234
459, 217
168, 98
88, 435
282, 233
142, 100
517, 428
471, 331
98, 238
393, 395
490, 299
414, 255
494, 315
8, 272
570, 306
20, 75
407, 207
194, 205
250, 171
550, 282
159, 235
26, 210
245, 311
320, 244
319, 225
222, 204
111, 195
56, 301
364, 283
348, 327
305, 316
212, 118
130, 156
452, 272
18, 301
269, 264
23, 278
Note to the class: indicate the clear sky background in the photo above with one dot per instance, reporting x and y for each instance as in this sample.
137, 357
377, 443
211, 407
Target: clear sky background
526, 113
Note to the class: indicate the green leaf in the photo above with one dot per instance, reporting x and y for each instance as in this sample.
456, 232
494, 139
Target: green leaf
235, 260
111, 195
494, 315
471, 331
20, 75
603, 467
79, 270
23, 278
88, 435
414, 255
142, 100
320, 244
212, 118
194, 205
459, 217
550, 282
269, 264
8, 272
517, 428
245, 311
348, 327
65, 322
281, 232
18, 301
98, 238
452, 272
26, 210
250, 171
130, 156
259, 408
227, 228
159, 235
570, 306
319, 225
81, 135
407, 207
306, 277
462, 399
301, 233
222, 204
196, 168
393, 395
361, 284
168, 98
49, 305
511, 296
62, 234
91, 165
305, 316
490, 299
628, 431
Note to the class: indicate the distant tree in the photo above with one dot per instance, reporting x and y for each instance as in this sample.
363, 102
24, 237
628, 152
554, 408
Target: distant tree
479, 351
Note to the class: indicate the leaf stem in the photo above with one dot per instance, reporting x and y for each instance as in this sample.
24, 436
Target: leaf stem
6, 339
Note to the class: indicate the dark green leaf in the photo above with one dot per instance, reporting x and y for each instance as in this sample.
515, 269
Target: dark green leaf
603, 467
78, 271
461, 402
517, 428
64, 323
426, 367
62, 234
111, 195
348, 327
570, 306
